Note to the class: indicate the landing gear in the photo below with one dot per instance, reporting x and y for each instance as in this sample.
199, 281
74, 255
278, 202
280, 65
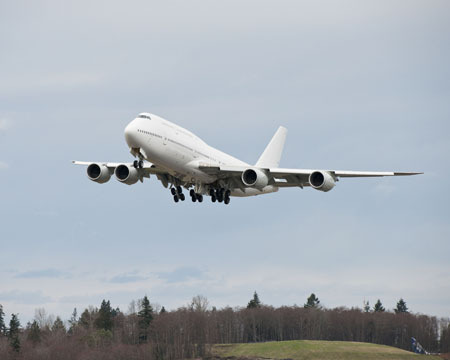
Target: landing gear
138, 164
177, 193
220, 195
196, 197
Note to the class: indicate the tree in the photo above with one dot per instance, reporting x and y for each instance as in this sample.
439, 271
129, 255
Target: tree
199, 303
2, 321
163, 310
13, 334
73, 321
145, 316
34, 332
87, 318
378, 306
255, 302
58, 326
312, 302
366, 307
104, 319
401, 307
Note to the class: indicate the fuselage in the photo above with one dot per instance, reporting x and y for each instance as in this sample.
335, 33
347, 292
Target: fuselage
179, 151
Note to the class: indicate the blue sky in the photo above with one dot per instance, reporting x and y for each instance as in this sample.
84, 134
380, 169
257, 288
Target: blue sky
359, 85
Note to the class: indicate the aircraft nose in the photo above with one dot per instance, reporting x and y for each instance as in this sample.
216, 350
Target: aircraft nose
130, 135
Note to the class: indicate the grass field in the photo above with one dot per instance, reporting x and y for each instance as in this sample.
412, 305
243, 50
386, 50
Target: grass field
312, 350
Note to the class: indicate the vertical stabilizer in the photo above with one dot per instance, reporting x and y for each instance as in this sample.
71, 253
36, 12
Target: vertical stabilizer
271, 156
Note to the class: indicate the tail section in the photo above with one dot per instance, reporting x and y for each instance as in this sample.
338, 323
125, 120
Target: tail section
271, 156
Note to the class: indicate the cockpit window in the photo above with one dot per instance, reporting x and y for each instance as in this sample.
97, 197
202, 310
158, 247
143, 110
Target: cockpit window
143, 116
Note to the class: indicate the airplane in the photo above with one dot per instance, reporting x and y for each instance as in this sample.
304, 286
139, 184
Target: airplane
180, 159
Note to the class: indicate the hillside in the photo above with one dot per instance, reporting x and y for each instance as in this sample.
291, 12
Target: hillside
311, 350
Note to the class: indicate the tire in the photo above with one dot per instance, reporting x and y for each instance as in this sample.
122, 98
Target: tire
135, 164
227, 201
173, 191
179, 189
141, 164
175, 198
200, 198
194, 199
213, 198
182, 197
192, 192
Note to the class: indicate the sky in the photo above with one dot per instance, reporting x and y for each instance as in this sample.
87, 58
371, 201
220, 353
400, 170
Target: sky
359, 86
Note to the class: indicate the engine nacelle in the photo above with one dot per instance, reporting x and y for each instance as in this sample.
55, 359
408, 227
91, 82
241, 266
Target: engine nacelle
255, 178
127, 174
322, 180
98, 173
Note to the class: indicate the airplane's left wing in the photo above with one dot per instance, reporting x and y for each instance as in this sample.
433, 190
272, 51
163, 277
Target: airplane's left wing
319, 179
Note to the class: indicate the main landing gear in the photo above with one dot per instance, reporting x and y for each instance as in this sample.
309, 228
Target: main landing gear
195, 196
220, 195
138, 164
177, 193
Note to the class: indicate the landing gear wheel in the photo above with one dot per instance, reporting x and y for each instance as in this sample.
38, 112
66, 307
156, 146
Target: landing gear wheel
182, 197
227, 200
179, 189
194, 198
173, 191
227, 194
175, 198
213, 198
135, 164
192, 192
140, 164
200, 198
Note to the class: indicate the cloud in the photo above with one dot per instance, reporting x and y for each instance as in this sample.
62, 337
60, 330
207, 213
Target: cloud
127, 278
44, 273
25, 297
182, 274
5, 124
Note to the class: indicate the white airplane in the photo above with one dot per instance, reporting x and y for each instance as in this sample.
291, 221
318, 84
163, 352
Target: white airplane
180, 159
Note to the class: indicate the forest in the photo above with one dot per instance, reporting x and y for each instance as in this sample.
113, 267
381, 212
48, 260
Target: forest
148, 331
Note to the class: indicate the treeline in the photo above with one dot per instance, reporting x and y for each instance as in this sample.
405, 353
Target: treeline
149, 332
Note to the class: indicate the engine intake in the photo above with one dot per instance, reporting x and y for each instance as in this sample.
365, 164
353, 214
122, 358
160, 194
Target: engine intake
255, 178
127, 174
98, 173
322, 181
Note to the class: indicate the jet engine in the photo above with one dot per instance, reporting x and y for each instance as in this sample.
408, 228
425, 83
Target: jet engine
98, 173
321, 180
127, 174
255, 178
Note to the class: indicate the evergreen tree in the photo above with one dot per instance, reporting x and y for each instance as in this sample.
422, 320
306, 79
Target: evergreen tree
87, 318
145, 316
2, 321
255, 302
163, 310
58, 326
34, 332
73, 321
401, 307
312, 302
13, 334
105, 316
366, 307
378, 306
